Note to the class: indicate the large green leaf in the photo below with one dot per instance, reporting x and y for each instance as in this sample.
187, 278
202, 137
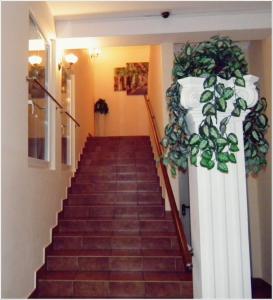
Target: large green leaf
208, 109
206, 96
194, 160
194, 139
228, 93
214, 132
232, 158
232, 138
240, 82
262, 120
222, 104
238, 73
220, 88
203, 144
210, 81
223, 157
241, 103
222, 167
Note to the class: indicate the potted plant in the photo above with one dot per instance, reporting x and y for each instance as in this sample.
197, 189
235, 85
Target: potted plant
100, 108
220, 65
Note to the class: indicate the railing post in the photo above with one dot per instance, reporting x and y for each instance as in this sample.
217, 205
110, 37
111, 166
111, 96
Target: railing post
219, 217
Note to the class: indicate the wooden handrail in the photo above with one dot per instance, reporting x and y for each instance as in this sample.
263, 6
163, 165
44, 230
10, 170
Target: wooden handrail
186, 255
29, 79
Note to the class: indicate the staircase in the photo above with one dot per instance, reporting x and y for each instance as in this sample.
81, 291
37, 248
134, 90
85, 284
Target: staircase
114, 238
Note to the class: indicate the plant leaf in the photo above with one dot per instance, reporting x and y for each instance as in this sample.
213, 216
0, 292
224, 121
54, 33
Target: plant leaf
206, 96
241, 103
255, 135
240, 82
223, 157
232, 138
194, 139
233, 148
207, 154
232, 158
203, 144
222, 167
222, 104
194, 160
210, 81
228, 93
236, 112
238, 73
208, 109
220, 88
221, 142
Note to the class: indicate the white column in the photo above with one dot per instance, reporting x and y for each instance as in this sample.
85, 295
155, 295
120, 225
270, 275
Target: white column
219, 217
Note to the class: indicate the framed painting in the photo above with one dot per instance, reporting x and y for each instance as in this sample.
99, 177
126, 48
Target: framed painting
137, 78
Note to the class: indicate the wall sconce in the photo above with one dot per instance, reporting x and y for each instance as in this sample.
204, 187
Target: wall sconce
70, 59
35, 60
94, 52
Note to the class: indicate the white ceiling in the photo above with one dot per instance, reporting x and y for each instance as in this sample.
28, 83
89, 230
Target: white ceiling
65, 10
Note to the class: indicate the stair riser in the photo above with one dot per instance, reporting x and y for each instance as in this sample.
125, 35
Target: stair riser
117, 226
112, 212
114, 289
114, 187
86, 178
114, 243
118, 168
128, 264
102, 198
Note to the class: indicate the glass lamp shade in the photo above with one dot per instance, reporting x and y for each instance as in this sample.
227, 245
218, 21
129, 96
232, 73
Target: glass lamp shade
35, 59
71, 58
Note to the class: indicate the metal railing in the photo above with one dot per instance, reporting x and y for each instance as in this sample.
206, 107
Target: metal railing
34, 80
185, 253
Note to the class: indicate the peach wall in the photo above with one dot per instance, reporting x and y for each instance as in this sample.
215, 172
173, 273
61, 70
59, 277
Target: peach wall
259, 187
31, 192
84, 97
127, 114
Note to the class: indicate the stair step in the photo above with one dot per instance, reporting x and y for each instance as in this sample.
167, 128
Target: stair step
114, 186
119, 225
115, 285
119, 211
83, 240
113, 262
140, 198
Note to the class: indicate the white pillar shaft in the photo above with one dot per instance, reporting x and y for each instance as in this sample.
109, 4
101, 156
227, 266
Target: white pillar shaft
219, 217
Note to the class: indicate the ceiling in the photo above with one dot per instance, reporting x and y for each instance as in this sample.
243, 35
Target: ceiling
65, 10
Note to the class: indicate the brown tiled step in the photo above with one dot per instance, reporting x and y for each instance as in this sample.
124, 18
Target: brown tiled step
93, 174
118, 211
119, 225
83, 240
114, 285
77, 262
106, 177
118, 156
114, 186
139, 198
118, 168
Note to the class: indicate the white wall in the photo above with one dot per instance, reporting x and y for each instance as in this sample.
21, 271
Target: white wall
31, 196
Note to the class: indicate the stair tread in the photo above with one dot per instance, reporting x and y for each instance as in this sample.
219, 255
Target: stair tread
115, 276
142, 234
114, 252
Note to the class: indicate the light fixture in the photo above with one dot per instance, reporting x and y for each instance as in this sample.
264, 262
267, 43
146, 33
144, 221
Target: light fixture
94, 52
35, 60
71, 59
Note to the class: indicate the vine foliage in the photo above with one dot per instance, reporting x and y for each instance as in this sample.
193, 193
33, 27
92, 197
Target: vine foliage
213, 146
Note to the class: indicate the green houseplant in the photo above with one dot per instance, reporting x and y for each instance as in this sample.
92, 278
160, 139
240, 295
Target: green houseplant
101, 107
213, 146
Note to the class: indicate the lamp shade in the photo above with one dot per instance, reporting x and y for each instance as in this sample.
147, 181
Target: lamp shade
35, 59
71, 58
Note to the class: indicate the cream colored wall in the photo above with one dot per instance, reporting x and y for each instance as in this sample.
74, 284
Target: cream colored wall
259, 187
31, 196
84, 97
160, 78
127, 114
